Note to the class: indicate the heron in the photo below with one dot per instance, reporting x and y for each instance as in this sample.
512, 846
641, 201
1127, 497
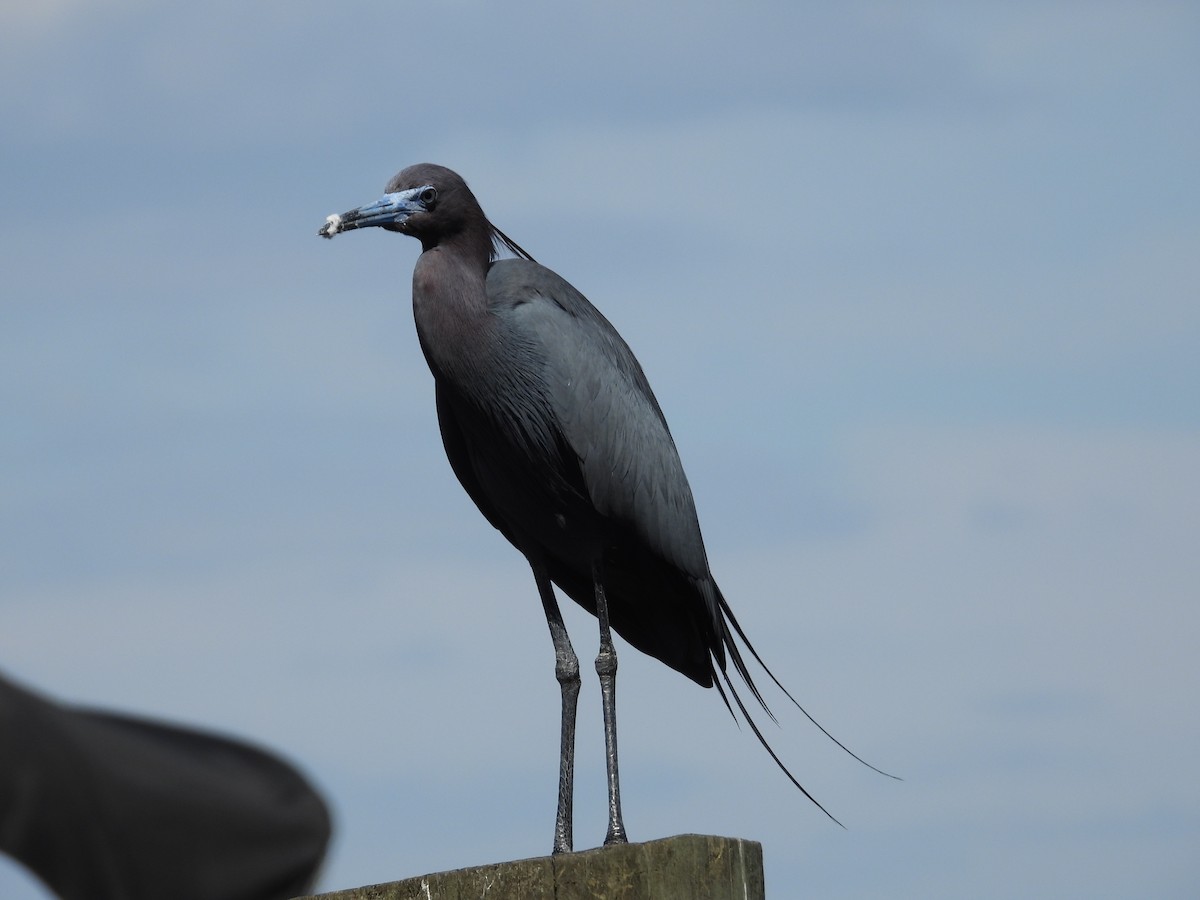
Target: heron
551, 427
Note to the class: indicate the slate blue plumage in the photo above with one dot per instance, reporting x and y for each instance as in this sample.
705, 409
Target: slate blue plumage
551, 427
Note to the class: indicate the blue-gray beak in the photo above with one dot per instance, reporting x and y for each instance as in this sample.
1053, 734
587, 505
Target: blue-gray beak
390, 209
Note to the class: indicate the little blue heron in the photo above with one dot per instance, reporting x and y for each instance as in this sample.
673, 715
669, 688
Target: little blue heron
551, 427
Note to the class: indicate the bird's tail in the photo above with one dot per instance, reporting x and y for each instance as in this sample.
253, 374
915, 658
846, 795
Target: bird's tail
730, 650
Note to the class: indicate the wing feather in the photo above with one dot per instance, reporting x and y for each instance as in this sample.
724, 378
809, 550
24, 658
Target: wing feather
604, 410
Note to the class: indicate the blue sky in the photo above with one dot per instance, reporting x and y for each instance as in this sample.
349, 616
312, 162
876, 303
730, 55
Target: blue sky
917, 287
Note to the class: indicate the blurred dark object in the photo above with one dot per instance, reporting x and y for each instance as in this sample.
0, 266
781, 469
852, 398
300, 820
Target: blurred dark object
110, 807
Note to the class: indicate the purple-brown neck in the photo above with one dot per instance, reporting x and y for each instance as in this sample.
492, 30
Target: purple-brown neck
450, 308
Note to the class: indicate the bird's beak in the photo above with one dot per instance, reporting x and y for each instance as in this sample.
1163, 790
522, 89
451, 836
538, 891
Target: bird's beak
390, 209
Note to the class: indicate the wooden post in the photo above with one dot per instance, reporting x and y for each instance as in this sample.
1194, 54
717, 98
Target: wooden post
685, 867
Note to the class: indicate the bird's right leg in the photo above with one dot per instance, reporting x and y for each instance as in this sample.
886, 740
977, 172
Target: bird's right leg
606, 668
566, 670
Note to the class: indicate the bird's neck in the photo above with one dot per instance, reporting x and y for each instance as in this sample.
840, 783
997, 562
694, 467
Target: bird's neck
450, 307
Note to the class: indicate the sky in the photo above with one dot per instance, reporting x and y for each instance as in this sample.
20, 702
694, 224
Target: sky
917, 286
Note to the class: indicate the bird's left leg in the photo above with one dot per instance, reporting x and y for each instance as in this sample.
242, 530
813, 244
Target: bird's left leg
606, 668
566, 670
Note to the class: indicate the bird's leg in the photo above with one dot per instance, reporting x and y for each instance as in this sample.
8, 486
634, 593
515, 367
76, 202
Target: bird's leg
566, 670
606, 668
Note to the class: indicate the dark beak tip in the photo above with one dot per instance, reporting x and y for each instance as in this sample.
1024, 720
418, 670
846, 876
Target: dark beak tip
333, 224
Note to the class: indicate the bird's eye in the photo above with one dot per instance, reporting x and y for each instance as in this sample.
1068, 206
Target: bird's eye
428, 197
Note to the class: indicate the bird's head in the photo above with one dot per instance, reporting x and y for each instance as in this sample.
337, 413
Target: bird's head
428, 202
434, 205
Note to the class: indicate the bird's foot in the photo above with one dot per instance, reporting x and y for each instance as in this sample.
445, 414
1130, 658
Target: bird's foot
616, 835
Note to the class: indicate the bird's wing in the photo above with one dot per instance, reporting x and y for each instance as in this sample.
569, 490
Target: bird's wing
605, 411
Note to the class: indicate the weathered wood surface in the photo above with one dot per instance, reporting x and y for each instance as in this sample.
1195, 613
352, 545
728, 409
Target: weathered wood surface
685, 867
